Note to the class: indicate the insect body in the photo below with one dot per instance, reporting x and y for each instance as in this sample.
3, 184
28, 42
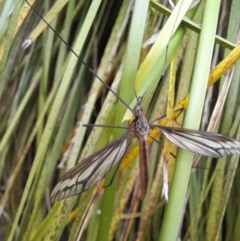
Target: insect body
92, 169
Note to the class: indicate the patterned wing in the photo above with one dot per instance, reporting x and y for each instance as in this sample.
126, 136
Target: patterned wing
90, 170
201, 142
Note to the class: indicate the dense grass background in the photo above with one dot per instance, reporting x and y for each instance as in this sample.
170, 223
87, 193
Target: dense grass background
47, 94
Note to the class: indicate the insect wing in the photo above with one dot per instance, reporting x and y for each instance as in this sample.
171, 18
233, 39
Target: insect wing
201, 142
90, 170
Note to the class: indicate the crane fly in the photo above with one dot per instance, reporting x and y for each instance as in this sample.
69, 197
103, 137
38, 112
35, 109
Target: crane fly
93, 168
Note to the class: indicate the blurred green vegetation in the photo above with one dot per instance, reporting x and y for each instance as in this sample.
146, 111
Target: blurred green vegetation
47, 94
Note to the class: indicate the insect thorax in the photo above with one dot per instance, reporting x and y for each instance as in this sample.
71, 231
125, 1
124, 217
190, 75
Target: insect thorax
141, 128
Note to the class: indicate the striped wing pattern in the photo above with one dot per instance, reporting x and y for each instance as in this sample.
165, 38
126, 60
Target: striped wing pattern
201, 142
90, 170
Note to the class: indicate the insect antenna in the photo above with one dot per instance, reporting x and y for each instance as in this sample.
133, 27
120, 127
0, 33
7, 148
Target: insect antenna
90, 70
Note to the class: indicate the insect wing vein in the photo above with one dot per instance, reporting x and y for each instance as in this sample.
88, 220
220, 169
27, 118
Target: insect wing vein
201, 142
90, 170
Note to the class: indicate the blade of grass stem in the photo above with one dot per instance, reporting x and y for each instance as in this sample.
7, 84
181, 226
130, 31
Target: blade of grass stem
172, 218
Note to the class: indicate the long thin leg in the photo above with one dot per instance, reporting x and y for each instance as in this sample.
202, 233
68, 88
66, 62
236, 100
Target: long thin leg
113, 176
105, 126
